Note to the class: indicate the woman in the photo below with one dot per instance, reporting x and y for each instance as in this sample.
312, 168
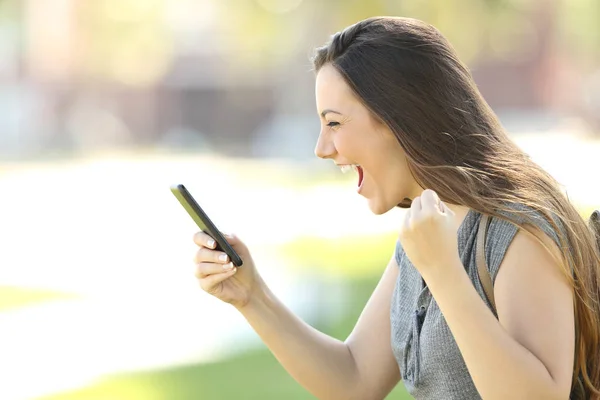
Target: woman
397, 105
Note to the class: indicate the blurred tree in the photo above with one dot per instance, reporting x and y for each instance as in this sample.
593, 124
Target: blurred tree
476, 28
264, 34
124, 40
11, 38
579, 30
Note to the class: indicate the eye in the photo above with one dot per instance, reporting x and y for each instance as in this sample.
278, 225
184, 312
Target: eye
332, 124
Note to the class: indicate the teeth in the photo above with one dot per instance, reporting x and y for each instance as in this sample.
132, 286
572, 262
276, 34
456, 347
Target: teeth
348, 167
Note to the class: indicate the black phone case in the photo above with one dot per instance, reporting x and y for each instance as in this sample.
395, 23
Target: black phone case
204, 223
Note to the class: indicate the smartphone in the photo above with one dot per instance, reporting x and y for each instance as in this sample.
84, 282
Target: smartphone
204, 223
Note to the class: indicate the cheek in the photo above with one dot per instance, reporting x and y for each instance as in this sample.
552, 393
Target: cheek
391, 174
351, 147
378, 169
387, 162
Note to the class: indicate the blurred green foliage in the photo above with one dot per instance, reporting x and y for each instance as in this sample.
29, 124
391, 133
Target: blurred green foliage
353, 257
578, 29
252, 375
257, 374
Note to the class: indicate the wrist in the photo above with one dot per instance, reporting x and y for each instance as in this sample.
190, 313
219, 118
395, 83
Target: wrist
445, 276
258, 297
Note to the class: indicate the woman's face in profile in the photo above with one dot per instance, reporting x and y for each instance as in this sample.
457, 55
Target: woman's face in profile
351, 136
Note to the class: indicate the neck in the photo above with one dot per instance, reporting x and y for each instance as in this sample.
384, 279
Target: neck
459, 210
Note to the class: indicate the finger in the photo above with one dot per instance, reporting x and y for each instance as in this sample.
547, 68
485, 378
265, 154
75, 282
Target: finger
231, 238
445, 209
207, 255
442, 207
203, 239
237, 244
206, 269
407, 218
208, 283
430, 200
415, 207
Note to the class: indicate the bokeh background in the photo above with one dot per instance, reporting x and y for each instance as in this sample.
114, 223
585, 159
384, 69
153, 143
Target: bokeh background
106, 103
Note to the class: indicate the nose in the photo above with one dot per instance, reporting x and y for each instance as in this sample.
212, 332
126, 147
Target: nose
324, 147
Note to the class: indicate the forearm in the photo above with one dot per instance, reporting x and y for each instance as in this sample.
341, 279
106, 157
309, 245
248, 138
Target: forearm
500, 367
320, 363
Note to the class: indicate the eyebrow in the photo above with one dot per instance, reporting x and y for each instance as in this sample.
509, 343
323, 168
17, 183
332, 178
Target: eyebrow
327, 111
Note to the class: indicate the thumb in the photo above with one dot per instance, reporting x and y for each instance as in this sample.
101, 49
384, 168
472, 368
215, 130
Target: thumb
236, 243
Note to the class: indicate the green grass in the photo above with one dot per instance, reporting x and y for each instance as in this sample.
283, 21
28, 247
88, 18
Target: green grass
257, 374
252, 375
354, 256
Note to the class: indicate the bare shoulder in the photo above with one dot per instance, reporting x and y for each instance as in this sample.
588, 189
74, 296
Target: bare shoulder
533, 258
535, 302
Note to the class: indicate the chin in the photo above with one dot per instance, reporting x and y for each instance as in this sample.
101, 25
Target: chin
378, 207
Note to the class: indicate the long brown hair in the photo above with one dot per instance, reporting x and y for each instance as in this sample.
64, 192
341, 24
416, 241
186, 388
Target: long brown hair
410, 78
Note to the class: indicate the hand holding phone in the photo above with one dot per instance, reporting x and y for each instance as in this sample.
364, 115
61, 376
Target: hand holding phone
204, 223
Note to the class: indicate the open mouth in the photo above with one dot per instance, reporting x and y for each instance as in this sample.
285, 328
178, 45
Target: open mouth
357, 168
360, 175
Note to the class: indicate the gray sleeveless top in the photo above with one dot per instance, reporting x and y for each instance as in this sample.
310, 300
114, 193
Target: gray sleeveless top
428, 357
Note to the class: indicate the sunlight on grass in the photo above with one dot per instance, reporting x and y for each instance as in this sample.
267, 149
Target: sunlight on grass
324, 229
254, 374
117, 389
13, 297
354, 256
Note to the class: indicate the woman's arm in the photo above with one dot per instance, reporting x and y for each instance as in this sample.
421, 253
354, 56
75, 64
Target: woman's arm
363, 367
528, 353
